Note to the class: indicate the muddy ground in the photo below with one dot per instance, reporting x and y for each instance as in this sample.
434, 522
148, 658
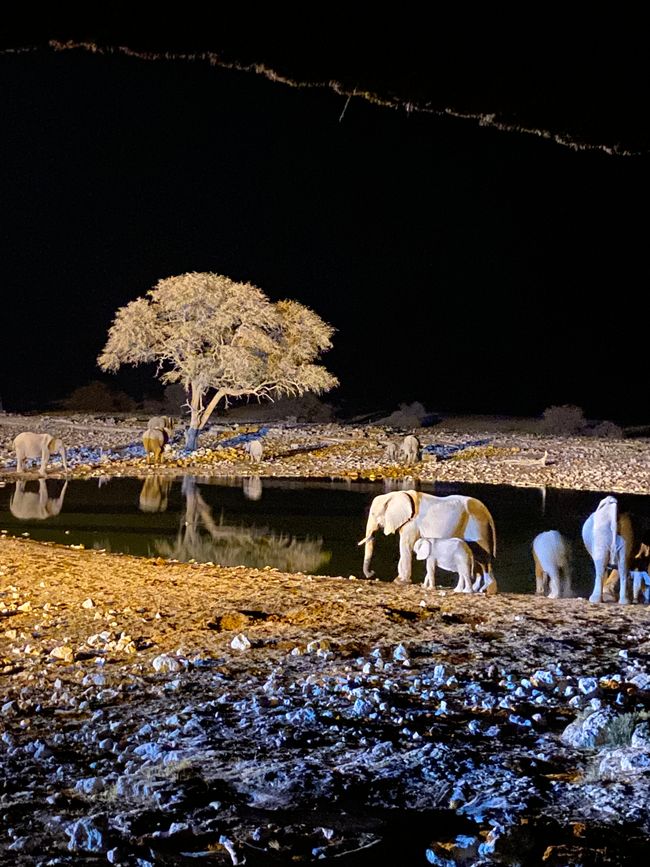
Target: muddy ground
155, 712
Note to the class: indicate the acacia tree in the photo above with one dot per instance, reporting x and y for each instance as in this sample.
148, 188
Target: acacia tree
221, 340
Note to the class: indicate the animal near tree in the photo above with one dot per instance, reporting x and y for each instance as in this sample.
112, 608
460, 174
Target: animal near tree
221, 340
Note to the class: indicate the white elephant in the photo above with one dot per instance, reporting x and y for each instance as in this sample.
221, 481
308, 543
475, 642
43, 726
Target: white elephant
552, 557
454, 555
609, 539
31, 506
35, 445
410, 449
415, 515
255, 450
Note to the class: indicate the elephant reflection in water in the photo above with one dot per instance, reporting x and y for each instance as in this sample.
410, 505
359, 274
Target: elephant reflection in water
154, 493
252, 487
202, 538
37, 505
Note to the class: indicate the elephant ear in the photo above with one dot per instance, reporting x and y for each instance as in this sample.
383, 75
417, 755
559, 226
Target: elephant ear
422, 549
399, 510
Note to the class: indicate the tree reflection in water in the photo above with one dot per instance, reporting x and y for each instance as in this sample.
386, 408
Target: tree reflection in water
202, 538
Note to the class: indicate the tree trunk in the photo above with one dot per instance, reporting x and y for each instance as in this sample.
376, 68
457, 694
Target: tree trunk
191, 438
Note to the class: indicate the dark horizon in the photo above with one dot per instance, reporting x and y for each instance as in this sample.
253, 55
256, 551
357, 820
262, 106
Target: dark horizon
490, 247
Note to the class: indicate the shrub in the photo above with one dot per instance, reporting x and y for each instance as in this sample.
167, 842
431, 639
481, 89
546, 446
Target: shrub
563, 420
606, 430
98, 397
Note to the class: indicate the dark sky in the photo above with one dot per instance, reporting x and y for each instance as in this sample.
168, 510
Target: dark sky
470, 269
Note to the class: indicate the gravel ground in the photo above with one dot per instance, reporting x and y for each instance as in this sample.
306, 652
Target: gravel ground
96, 448
155, 712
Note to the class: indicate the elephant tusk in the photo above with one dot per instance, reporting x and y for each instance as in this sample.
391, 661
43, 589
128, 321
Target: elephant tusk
367, 539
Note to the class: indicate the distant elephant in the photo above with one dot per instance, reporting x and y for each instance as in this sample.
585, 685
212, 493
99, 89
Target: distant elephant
31, 506
255, 450
154, 493
454, 555
609, 539
415, 515
392, 453
552, 557
410, 449
154, 441
35, 445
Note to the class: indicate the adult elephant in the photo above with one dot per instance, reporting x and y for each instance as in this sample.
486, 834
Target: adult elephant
609, 538
34, 446
416, 515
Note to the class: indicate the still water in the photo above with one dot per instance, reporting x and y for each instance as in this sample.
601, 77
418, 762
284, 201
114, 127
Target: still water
310, 526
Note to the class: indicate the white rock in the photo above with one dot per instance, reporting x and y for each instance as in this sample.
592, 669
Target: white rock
88, 603
240, 642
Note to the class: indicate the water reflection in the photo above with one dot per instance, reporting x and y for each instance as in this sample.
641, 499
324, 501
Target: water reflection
31, 505
201, 537
252, 487
154, 494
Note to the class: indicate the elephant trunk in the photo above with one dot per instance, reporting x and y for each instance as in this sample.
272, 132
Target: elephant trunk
369, 545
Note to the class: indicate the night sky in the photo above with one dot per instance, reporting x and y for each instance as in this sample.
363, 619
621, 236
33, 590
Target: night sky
470, 269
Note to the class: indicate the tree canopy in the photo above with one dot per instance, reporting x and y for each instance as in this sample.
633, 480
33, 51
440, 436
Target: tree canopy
221, 340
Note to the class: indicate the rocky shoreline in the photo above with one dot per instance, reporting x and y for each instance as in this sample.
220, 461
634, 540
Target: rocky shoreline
155, 712
99, 447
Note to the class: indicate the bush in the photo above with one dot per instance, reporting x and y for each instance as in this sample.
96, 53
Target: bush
563, 420
97, 397
607, 430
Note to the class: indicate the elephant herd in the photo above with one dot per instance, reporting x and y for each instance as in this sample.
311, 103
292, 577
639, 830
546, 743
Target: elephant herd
458, 534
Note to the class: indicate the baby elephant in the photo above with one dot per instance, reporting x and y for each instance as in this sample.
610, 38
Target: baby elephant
154, 441
255, 450
410, 449
552, 557
455, 555
34, 445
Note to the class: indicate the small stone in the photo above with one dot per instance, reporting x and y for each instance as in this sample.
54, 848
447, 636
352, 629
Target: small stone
240, 642
63, 652
88, 603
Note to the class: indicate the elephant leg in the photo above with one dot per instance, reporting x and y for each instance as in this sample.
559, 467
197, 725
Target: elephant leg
637, 581
464, 583
430, 577
623, 598
407, 538
599, 567
554, 584
45, 456
20, 459
540, 577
